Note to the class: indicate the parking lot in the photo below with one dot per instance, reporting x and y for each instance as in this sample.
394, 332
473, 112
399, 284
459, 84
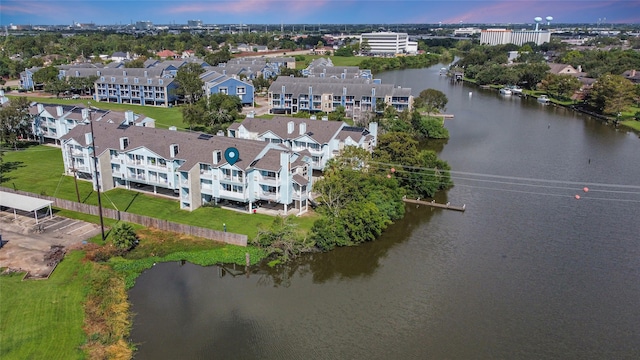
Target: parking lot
26, 243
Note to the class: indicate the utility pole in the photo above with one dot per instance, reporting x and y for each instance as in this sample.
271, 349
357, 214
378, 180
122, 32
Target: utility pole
95, 173
74, 171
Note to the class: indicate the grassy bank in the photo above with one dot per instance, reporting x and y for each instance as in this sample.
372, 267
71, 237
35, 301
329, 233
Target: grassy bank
42, 319
39, 169
82, 311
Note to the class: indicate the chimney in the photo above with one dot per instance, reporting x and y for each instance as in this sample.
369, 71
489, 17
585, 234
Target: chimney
59, 111
303, 128
217, 157
85, 114
40, 108
128, 117
290, 127
87, 138
579, 68
325, 118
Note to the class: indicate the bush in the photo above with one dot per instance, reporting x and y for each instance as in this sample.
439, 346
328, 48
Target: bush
124, 237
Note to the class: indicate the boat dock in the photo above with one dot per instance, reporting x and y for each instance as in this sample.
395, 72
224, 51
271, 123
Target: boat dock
444, 116
433, 203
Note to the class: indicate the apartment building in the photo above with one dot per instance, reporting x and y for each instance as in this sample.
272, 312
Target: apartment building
215, 82
385, 43
504, 36
322, 140
195, 168
289, 95
53, 121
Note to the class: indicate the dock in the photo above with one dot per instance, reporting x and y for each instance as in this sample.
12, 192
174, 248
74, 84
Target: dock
445, 116
434, 204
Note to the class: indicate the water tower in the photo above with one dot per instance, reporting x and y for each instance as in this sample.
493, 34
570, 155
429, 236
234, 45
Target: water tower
549, 20
538, 20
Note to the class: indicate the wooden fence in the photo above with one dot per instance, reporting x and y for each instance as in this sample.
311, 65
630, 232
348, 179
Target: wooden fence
225, 237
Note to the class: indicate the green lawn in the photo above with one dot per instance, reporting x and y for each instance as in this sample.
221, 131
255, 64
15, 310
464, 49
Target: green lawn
634, 124
42, 319
39, 169
337, 60
164, 117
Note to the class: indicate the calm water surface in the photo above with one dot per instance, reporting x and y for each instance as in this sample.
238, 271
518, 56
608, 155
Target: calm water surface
527, 272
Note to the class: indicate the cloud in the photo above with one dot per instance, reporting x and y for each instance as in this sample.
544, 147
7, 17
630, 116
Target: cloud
251, 8
21, 9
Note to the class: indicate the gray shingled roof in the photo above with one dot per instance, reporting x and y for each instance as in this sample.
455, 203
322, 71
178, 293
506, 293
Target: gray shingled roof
191, 147
321, 131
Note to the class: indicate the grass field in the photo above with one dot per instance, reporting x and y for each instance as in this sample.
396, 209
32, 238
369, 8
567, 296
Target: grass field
635, 125
164, 117
39, 169
337, 60
42, 319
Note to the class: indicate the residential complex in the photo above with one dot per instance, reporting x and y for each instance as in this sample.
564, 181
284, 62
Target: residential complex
320, 139
385, 43
52, 121
517, 37
154, 83
196, 168
289, 95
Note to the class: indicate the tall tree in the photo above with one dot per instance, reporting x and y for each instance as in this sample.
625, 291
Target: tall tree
14, 121
432, 99
190, 86
560, 85
611, 94
45, 75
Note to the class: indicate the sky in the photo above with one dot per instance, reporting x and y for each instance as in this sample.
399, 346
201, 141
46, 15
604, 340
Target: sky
106, 12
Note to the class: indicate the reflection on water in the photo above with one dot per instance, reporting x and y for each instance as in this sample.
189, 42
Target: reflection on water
527, 272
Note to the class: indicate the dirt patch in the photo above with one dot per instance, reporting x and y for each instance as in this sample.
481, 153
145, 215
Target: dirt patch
37, 249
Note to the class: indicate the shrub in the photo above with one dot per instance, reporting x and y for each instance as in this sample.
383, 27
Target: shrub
124, 237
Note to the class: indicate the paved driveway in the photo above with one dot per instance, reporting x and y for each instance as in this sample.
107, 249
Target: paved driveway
26, 243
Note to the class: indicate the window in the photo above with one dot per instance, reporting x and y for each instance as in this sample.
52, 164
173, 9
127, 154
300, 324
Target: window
160, 82
224, 90
241, 90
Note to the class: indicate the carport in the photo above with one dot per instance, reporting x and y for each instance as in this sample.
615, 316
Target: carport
24, 203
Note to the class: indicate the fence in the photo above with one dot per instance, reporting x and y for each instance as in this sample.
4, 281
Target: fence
225, 237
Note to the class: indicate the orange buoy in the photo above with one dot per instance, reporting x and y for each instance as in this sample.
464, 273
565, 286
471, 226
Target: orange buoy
585, 189
577, 197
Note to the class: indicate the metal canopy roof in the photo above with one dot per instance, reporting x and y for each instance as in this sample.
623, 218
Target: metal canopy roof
22, 202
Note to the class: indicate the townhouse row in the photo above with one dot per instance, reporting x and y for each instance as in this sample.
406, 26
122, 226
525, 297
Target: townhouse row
195, 168
288, 95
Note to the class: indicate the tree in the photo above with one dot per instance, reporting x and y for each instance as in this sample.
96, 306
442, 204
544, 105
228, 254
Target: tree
560, 86
124, 237
432, 99
14, 121
45, 75
611, 94
345, 51
57, 86
189, 82
365, 48
338, 114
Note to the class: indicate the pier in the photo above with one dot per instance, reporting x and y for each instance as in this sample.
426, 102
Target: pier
433, 203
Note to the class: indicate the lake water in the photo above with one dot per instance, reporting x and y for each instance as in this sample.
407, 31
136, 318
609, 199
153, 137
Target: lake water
527, 272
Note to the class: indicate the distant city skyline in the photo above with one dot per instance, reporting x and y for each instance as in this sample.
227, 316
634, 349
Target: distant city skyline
106, 12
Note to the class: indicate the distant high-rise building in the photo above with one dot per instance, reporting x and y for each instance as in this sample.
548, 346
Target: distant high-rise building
517, 37
194, 23
386, 42
144, 25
